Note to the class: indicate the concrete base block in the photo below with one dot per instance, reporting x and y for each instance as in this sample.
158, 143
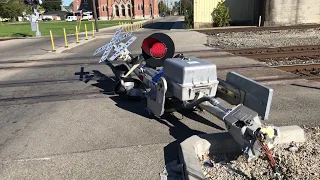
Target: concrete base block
289, 134
194, 147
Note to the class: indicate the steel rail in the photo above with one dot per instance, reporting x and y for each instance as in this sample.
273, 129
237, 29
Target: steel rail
262, 28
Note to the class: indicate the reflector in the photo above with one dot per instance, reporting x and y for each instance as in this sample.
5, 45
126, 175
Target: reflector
158, 50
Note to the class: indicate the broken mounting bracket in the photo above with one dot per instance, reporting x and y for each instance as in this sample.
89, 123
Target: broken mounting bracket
238, 89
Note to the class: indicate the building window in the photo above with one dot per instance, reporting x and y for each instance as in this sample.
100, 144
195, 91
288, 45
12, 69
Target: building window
129, 10
102, 8
117, 10
139, 7
123, 8
85, 1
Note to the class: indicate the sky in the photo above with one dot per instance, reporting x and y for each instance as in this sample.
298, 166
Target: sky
67, 2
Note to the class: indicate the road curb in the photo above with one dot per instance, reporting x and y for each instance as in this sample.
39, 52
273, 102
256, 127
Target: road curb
194, 147
118, 26
73, 45
10, 38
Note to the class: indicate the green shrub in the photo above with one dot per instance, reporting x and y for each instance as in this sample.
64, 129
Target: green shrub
220, 15
189, 19
112, 16
187, 7
46, 19
62, 16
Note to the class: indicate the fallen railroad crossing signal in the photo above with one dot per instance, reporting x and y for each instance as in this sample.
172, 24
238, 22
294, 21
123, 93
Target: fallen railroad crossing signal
113, 44
171, 82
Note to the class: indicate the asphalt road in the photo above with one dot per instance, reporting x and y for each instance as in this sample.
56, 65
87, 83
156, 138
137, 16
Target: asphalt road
53, 127
32, 46
56, 125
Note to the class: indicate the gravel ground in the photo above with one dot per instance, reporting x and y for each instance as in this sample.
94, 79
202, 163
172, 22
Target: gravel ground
286, 61
296, 161
293, 37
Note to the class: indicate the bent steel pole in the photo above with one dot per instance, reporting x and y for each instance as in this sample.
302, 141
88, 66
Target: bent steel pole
212, 110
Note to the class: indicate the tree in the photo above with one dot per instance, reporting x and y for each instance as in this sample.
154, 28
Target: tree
71, 5
162, 7
220, 15
176, 6
52, 5
187, 9
41, 9
12, 9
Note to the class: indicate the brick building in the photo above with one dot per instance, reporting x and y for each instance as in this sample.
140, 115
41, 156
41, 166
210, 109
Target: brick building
119, 9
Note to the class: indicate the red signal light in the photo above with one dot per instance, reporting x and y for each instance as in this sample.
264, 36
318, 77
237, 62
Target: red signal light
153, 47
156, 48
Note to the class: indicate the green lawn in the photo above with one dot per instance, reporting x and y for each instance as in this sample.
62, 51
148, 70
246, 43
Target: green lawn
24, 29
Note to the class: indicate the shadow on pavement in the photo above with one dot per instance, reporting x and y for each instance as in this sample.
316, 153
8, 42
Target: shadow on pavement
177, 129
103, 82
181, 132
165, 25
21, 35
310, 87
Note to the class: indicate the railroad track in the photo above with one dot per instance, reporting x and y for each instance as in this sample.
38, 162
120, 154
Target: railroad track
4, 61
308, 71
305, 60
309, 52
96, 92
80, 60
55, 96
262, 28
99, 93
303, 72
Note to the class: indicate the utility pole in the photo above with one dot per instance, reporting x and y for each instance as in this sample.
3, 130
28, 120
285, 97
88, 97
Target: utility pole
180, 8
108, 9
95, 15
143, 10
152, 10
131, 12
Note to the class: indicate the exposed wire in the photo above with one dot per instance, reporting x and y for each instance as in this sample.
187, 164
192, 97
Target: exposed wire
271, 160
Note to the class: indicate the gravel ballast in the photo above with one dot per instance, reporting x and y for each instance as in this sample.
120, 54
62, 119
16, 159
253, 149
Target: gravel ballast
296, 161
287, 61
278, 38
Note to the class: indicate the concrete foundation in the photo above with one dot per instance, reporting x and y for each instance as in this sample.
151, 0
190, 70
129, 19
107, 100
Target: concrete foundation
291, 12
198, 25
104, 18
